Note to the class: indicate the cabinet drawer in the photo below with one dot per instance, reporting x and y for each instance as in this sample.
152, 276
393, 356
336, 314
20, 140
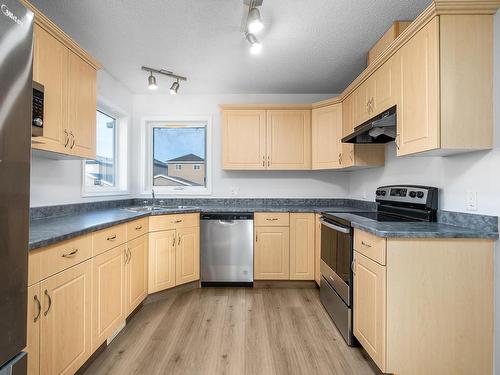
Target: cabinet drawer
370, 245
108, 238
272, 219
137, 228
58, 257
174, 221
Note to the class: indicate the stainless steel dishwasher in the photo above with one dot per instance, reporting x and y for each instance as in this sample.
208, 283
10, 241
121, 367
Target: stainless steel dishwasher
227, 249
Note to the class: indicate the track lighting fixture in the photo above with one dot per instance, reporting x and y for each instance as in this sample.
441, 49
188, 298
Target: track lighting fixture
174, 88
152, 82
152, 79
255, 45
254, 21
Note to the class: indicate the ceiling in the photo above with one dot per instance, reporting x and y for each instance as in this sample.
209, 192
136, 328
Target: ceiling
309, 46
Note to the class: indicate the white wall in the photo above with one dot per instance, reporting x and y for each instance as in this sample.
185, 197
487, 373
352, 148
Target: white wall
59, 181
455, 175
315, 184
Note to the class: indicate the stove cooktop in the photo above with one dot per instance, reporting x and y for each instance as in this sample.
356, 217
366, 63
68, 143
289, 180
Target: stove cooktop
382, 216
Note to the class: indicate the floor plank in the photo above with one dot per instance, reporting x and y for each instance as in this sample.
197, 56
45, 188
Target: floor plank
233, 331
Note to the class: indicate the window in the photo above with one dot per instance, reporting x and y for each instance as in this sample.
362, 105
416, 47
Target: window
101, 176
177, 157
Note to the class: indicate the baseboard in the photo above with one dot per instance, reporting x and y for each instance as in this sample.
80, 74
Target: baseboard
285, 284
168, 292
92, 358
220, 284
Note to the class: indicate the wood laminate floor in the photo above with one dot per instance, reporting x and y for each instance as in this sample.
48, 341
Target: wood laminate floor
232, 331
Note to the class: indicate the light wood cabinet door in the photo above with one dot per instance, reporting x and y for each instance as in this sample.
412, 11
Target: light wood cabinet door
187, 257
317, 249
326, 137
418, 114
161, 260
272, 253
301, 246
136, 273
50, 66
82, 107
360, 104
370, 314
33, 329
108, 294
66, 320
385, 86
288, 139
244, 139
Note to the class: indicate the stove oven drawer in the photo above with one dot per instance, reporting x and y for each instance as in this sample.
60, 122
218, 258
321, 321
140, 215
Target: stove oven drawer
370, 246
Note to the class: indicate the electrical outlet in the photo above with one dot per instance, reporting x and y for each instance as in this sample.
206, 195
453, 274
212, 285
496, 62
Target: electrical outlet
471, 201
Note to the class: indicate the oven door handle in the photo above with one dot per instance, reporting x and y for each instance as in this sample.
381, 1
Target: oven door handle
335, 227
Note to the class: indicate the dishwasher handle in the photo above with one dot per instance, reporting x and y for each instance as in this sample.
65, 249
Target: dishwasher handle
227, 222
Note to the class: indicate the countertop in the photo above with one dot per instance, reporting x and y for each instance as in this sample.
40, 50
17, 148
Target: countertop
46, 231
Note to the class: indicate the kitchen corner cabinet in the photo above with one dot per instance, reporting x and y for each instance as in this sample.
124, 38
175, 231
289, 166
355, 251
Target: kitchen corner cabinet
187, 255
161, 260
455, 279
65, 329
326, 137
136, 271
69, 76
302, 246
260, 139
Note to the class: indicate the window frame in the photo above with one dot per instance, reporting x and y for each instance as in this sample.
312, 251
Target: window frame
146, 169
121, 161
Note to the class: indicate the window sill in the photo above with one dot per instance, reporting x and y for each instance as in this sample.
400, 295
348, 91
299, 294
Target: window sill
89, 194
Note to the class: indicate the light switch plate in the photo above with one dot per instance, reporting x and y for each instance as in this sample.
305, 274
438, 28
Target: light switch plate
471, 201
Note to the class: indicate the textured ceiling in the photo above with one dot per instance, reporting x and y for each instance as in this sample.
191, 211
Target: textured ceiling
309, 46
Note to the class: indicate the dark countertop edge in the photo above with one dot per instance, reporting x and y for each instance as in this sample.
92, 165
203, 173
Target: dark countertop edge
460, 233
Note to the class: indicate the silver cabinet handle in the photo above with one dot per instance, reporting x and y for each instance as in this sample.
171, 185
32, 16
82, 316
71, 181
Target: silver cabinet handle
335, 227
272, 219
112, 238
139, 227
256, 237
39, 308
126, 256
50, 302
179, 242
129, 255
340, 158
365, 244
72, 139
173, 242
70, 254
66, 138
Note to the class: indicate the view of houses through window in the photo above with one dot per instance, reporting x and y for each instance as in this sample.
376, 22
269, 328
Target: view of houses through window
101, 172
179, 156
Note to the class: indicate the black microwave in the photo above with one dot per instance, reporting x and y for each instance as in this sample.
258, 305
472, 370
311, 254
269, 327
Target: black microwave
37, 110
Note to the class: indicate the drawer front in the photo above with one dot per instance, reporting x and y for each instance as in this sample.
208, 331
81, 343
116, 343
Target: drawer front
58, 257
108, 238
370, 246
272, 219
174, 221
137, 228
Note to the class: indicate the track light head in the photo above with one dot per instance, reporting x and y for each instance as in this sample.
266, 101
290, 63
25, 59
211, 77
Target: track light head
254, 21
255, 45
174, 88
152, 82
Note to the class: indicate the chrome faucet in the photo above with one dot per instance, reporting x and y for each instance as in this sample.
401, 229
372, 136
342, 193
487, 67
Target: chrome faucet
154, 199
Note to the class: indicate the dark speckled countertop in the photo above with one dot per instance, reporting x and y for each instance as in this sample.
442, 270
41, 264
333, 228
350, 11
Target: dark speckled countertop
52, 229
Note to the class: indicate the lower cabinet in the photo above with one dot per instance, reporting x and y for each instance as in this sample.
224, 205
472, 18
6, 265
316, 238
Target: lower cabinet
370, 307
136, 272
33, 329
317, 248
301, 246
174, 258
272, 253
65, 329
108, 291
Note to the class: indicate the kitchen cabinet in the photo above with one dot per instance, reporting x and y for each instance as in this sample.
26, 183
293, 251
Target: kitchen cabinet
272, 253
108, 294
244, 139
326, 137
317, 249
361, 104
187, 255
302, 246
136, 289
161, 260
65, 330
68, 74
33, 329
370, 313
288, 139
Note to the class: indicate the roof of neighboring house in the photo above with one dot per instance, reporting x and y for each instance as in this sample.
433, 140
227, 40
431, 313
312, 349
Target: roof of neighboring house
159, 162
179, 180
187, 158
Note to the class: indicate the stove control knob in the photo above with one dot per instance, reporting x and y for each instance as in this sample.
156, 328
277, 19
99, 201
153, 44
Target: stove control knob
383, 193
420, 194
413, 194
378, 192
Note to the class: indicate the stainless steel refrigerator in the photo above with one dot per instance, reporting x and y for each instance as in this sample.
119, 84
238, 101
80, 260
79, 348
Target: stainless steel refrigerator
16, 88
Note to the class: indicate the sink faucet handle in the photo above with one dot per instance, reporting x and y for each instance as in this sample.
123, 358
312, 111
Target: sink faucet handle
162, 202
153, 193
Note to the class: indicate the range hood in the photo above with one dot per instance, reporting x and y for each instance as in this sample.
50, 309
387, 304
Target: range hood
379, 129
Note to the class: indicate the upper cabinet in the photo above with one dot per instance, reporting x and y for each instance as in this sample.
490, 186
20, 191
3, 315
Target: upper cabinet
69, 76
326, 137
260, 139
